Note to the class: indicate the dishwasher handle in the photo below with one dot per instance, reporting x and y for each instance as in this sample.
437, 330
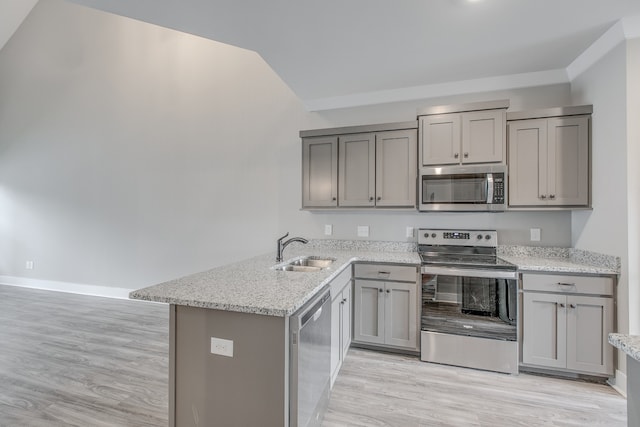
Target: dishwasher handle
314, 312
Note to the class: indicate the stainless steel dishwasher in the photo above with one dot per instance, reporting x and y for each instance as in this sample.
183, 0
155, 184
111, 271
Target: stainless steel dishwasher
310, 370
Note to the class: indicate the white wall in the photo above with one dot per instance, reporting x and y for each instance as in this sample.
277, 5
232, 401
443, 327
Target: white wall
633, 181
606, 228
132, 154
513, 227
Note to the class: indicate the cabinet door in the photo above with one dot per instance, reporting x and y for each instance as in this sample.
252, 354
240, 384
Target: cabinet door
346, 321
589, 322
400, 324
568, 179
368, 313
483, 136
544, 330
396, 168
527, 162
336, 344
320, 172
440, 139
357, 170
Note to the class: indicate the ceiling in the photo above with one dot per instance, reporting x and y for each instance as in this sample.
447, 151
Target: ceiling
336, 53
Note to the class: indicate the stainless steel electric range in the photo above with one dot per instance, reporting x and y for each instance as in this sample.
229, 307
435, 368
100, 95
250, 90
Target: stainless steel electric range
469, 301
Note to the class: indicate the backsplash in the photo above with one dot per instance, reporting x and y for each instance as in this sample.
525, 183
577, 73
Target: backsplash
363, 245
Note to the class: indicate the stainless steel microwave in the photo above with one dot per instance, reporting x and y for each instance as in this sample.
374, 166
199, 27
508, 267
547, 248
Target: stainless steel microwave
479, 188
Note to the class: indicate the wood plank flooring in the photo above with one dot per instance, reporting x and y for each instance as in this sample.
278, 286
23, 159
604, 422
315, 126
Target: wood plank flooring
73, 360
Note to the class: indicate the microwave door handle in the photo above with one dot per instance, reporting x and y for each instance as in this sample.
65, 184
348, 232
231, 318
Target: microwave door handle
489, 188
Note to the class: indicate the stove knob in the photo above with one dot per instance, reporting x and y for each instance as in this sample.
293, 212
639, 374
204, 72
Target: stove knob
487, 237
426, 235
433, 235
479, 236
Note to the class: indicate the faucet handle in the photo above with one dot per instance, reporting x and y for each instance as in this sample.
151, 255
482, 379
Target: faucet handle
283, 237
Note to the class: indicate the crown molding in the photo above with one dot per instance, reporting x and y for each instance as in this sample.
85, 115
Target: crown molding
488, 84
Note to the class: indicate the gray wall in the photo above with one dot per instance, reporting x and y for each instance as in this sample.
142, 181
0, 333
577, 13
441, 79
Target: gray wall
132, 154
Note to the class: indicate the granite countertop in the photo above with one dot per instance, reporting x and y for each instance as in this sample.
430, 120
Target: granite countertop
630, 344
252, 286
559, 260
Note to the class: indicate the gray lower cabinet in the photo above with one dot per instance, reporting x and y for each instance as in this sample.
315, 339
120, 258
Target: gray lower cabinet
549, 162
340, 320
386, 306
566, 322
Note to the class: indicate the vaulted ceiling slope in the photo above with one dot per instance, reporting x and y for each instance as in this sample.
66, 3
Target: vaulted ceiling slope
337, 53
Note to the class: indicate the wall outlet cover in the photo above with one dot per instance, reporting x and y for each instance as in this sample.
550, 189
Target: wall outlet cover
535, 234
363, 231
328, 230
222, 347
409, 232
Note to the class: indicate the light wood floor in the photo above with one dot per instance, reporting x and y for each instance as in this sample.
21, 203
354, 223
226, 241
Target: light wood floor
72, 360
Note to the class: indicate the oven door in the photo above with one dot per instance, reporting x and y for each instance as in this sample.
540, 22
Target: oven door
478, 303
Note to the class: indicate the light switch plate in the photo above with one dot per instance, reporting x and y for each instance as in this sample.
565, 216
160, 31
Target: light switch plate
535, 234
363, 231
328, 230
222, 347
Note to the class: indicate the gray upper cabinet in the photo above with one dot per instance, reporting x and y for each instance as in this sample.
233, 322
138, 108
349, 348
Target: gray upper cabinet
320, 172
475, 134
377, 168
549, 164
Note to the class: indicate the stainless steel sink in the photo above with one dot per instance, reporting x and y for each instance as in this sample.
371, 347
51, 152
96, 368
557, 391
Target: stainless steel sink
307, 264
299, 268
313, 261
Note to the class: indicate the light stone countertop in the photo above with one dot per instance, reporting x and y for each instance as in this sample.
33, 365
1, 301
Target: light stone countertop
556, 265
252, 286
630, 344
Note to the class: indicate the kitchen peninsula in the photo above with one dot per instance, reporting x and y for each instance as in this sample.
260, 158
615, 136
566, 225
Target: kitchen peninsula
250, 302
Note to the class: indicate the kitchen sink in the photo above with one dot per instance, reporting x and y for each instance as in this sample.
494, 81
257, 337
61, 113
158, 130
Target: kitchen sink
306, 264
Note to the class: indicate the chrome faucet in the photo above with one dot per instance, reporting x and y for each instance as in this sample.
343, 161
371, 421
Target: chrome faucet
282, 245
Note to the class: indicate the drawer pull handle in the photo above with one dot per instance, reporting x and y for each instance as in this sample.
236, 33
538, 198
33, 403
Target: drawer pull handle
566, 284
384, 273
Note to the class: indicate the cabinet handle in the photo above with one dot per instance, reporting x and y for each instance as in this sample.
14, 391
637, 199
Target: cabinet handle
456, 155
572, 305
344, 300
384, 273
566, 284
388, 291
466, 155
371, 199
552, 196
334, 199
562, 305
379, 198
380, 290
543, 196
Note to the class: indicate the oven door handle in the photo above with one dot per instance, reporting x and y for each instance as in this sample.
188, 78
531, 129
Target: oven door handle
469, 272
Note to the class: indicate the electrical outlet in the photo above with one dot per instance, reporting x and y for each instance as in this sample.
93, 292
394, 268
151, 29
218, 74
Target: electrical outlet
409, 232
535, 234
222, 347
363, 231
28, 265
328, 230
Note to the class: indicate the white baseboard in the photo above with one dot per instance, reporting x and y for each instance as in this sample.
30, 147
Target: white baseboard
73, 288
619, 383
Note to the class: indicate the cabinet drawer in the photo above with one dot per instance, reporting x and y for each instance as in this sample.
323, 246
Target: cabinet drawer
401, 273
340, 281
568, 284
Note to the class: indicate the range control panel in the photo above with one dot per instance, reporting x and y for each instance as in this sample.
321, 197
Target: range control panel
485, 238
